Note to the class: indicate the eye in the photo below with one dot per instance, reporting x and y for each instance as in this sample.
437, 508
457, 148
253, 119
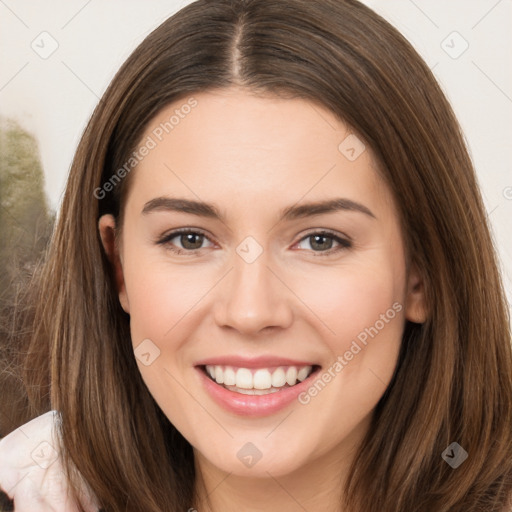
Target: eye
322, 242
190, 240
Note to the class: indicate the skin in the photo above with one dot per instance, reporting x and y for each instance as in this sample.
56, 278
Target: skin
252, 157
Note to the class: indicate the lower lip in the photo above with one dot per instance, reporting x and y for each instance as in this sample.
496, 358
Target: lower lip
253, 405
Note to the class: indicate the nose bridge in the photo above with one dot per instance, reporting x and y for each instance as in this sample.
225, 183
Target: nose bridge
252, 297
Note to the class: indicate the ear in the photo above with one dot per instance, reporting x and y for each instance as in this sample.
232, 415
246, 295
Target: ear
106, 227
415, 304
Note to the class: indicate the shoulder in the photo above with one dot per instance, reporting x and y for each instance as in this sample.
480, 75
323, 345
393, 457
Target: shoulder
26, 451
31, 472
34, 443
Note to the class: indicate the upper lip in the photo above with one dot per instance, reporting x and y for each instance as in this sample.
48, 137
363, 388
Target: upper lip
252, 362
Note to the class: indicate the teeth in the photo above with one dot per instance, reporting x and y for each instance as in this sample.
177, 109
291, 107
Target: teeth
219, 375
303, 373
259, 381
229, 376
291, 375
262, 380
252, 391
278, 378
243, 378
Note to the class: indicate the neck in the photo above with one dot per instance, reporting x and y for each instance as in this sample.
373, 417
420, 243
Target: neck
317, 485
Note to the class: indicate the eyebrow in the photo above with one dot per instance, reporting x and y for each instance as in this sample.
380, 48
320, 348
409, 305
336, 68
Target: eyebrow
293, 212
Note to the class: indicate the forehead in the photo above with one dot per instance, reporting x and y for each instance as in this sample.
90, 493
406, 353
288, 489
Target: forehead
233, 144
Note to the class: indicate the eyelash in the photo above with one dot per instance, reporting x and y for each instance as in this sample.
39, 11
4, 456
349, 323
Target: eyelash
344, 243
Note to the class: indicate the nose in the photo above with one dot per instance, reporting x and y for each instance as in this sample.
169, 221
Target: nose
253, 297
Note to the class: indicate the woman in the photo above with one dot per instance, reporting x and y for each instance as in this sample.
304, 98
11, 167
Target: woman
204, 349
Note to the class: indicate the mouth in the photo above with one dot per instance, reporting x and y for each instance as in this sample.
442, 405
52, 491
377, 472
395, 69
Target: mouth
258, 381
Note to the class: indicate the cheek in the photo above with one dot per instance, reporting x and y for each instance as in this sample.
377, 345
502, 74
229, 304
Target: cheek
349, 300
160, 295
360, 306
363, 310
340, 306
162, 316
343, 302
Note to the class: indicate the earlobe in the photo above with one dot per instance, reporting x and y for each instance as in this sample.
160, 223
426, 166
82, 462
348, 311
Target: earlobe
415, 303
106, 227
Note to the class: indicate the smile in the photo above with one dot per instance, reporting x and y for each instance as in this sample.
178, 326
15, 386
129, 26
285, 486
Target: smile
258, 390
257, 381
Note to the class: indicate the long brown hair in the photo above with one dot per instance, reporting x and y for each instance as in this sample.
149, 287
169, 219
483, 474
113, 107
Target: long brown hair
453, 379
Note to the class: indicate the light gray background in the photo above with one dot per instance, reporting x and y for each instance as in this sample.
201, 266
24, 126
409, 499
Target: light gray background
53, 97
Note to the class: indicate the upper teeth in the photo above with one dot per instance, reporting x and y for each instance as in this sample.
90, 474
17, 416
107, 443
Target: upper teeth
261, 378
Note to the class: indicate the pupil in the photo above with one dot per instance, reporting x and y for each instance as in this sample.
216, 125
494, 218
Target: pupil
319, 237
189, 238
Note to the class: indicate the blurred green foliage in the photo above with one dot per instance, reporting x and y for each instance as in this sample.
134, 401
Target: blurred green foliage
25, 219
25, 229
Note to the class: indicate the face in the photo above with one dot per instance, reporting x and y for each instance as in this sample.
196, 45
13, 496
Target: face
296, 310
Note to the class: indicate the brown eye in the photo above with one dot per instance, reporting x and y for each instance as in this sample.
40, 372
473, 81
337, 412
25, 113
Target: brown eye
191, 240
183, 241
322, 242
